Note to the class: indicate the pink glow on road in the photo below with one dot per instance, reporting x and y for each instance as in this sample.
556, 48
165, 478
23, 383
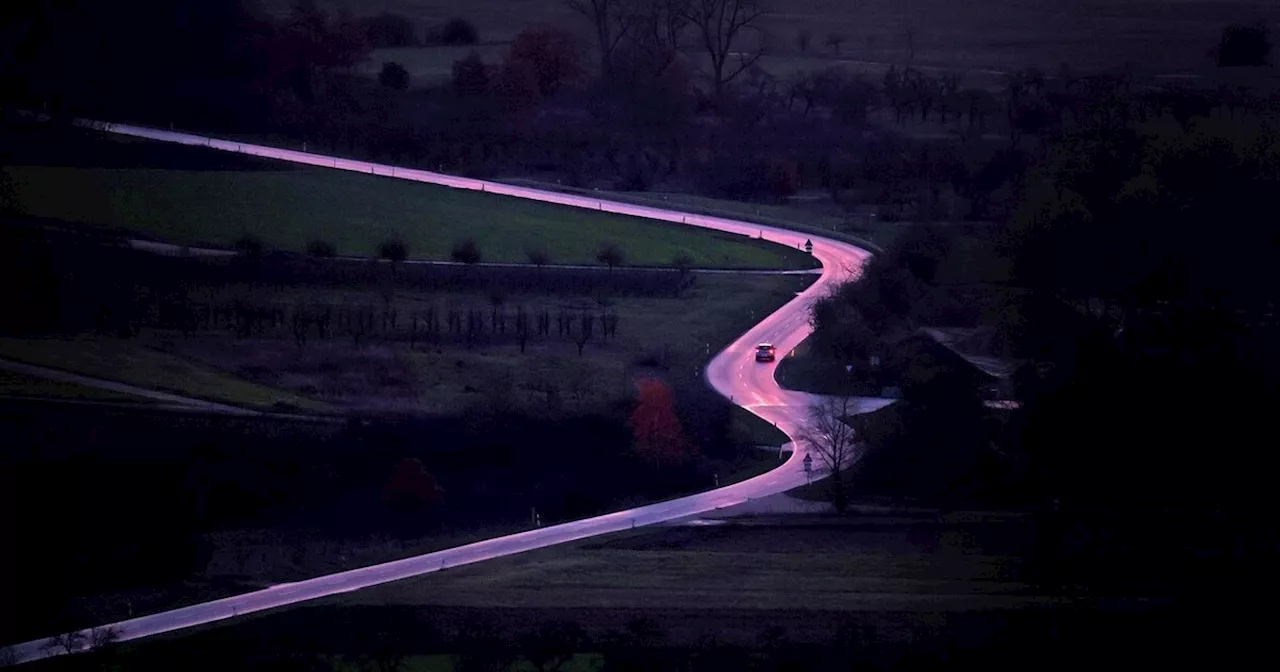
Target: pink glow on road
733, 373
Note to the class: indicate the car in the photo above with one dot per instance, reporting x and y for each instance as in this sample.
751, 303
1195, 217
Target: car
765, 352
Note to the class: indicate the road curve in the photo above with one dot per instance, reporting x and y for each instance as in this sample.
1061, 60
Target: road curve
733, 373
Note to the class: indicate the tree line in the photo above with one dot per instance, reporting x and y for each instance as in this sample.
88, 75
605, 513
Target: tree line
72, 279
1139, 307
642, 118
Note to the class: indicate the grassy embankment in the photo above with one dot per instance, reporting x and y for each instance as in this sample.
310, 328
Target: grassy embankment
287, 208
134, 363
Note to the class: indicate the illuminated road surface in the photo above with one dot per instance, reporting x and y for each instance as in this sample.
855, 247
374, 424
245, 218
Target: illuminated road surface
733, 373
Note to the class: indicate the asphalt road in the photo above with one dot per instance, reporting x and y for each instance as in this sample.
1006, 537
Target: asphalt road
733, 373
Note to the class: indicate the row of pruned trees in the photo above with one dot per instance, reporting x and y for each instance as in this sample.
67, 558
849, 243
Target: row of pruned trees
434, 324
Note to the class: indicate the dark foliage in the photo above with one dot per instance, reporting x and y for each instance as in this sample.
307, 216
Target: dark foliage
465, 252
470, 76
390, 30
171, 477
250, 246
1243, 46
394, 250
610, 254
393, 76
321, 249
459, 31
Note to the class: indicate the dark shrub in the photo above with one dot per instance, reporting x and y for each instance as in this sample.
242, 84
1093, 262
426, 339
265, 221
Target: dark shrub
466, 252
389, 30
459, 31
394, 76
321, 248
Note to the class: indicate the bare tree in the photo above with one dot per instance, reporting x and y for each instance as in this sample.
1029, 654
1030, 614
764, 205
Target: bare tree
834, 40
101, 640
658, 30
67, 642
610, 255
586, 326
720, 24
909, 33
612, 21
538, 256
522, 327
828, 435
804, 37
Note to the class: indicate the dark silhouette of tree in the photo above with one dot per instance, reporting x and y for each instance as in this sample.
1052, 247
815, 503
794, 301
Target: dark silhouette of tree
1243, 46
389, 30
550, 55
470, 76
834, 40
482, 648
394, 76
538, 256
657, 435
8, 198
411, 487
683, 262
321, 249
522, 328
642, 645
67, 643
657, 35
722, 27
466, 252
394, 250
300, 325
251, 246
459, 31
829, 435
553, 645
586, 324
610, 255
611, 21
804, 38
497, 298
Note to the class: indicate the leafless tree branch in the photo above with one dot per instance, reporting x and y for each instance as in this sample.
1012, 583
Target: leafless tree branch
612, 21
720, 24
829, 436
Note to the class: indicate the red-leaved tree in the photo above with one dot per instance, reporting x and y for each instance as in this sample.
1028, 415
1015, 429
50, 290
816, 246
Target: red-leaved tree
655, 429
549, 54
411, 487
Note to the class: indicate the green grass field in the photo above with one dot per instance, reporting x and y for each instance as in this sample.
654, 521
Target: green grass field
289, 208
898, 574
874, 562
22, 386
820, 217
135, 364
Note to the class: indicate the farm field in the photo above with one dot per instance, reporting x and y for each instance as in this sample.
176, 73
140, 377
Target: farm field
132, 362
898, 579
982, 38
444, 372
14, 385
289, 208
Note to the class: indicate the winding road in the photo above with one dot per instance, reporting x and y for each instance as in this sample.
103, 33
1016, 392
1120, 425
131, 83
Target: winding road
733, 373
